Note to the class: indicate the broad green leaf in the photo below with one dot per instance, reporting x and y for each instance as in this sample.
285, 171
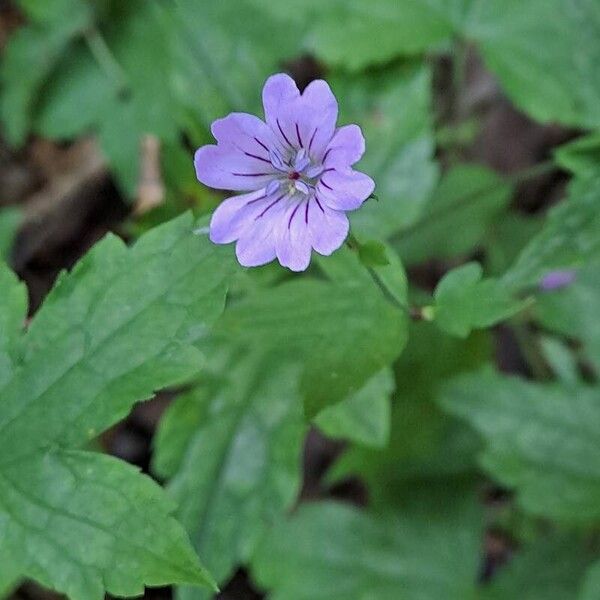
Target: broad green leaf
464, 301
364, 417
570, 237
393, 109
560, 83
342, 333
573, 311
79, 368
83, 523
239, 468
118, 327
550, 569
426, 551
468, 199
347, 266
30, 57
541, 439
425, 443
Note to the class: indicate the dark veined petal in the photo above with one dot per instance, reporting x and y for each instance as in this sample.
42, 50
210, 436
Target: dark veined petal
344, 188
279, 94
256, 245
292, 237
345, 148
315, 114
235, 214
226, 168
249, 134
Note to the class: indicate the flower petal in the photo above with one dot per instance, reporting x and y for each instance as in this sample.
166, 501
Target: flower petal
256, 245
344, 188
226, 168
234, 215
328, 228
315, 114
279, 93
249, 134
345, 148
292, 237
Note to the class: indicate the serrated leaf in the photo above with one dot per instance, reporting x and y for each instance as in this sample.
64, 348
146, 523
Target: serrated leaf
342, 333
78, 367
393, 109
549, 569
570, 237
84, 523
425, 444
464, 301
334, 551
238, 468
468, 199
110, 333
364, 417
540, 439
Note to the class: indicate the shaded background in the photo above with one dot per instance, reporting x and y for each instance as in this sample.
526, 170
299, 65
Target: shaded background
104, 106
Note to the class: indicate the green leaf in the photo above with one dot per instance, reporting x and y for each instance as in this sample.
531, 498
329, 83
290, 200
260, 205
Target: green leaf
469, 198
118, 327
30, 57
562, 83
223, 56
464, 301
78, 365
341, 32
238, 468
540, 439
425, 443
507, 237
561, 359
573, 312
83, 523
549, 569
334, 552
10, 221
581, 155
364, 417
570, 237
591, 584
393, 109
342, 333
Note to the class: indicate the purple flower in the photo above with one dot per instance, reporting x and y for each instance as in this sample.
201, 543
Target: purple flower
556, 280
297, 171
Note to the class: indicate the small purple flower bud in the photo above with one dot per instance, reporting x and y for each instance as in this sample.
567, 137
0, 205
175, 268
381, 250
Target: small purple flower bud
556, 280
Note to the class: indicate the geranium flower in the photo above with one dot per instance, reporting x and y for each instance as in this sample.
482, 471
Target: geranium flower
297, 171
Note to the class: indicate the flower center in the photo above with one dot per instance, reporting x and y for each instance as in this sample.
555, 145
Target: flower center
294, 175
